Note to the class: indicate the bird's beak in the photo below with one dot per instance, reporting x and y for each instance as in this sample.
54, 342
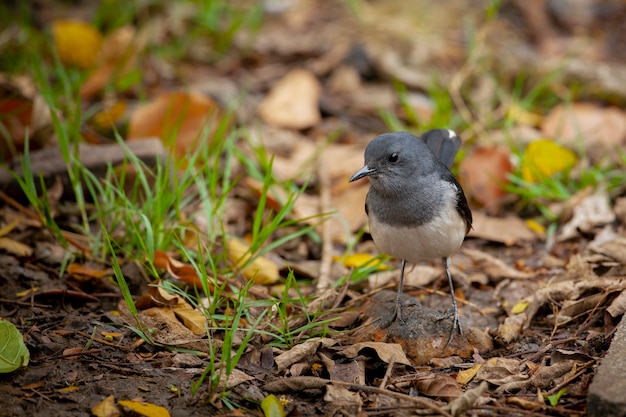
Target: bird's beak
361, 173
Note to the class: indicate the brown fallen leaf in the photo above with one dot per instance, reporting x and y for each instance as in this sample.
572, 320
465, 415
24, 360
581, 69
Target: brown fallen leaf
118, 56
341, 395
387, 352
180, 119
593, 211
542, 377
510, 329
589, 123
293, 101
441, 386
185, 272
500, 371
82, 272
509, 230
466, 402
618, 306
484, 174
106, 408
298, 352
495, 267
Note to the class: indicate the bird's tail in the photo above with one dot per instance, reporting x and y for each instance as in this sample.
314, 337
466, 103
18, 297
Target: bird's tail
443, 143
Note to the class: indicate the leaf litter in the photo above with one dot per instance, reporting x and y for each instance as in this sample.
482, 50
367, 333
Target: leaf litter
538, 317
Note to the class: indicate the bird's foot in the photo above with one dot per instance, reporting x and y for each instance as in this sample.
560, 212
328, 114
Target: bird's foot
397, 314
456, 324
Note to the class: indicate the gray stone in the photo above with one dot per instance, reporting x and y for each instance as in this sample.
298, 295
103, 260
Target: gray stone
607, 393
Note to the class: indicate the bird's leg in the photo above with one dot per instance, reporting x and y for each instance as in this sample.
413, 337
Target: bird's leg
398, 312
456, 324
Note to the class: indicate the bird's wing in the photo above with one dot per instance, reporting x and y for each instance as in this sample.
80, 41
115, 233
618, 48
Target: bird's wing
443, 143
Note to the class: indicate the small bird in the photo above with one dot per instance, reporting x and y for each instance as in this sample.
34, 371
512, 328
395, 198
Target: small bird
416, 208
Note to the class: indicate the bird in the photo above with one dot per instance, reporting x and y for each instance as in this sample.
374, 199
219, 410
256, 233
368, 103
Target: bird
415, 206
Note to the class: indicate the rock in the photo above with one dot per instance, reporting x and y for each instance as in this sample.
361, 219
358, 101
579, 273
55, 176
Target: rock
607, 393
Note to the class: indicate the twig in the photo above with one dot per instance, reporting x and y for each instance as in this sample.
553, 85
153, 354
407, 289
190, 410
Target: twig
417, 400
326, 261
388, 372
570, 379
22, 303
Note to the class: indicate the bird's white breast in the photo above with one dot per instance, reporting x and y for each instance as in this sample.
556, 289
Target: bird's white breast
440, 237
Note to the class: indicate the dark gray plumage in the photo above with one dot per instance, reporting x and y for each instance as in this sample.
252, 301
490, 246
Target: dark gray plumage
416, 208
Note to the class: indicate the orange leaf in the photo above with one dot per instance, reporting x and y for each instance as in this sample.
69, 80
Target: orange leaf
484, 174
184, 272
118, 58
179, 119
83, 273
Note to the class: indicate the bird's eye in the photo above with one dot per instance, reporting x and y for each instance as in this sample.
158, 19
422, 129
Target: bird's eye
393, 157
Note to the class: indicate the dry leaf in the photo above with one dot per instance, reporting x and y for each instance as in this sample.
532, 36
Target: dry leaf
500, 371
387, 352
120, 50
586, 123
180, 119
618, 306
591, 212
466, 375
296, 353
495, 267
510, 329
260, 270
293, 101
85, 273
184, 272
14, 247
462, 404
442, 386
194, 320
106, 408
484, 174
509, 230
544, 158
77, 43
341, 395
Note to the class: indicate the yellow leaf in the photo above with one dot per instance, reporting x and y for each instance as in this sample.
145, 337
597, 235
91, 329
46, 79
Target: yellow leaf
14, 247
523, 116
68, 389
78, 43
544, 158
272, 407
260, 270
192, 319
7, 229
357, 260
106, 408
145, 409
466, 375
520, 307
536, 227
